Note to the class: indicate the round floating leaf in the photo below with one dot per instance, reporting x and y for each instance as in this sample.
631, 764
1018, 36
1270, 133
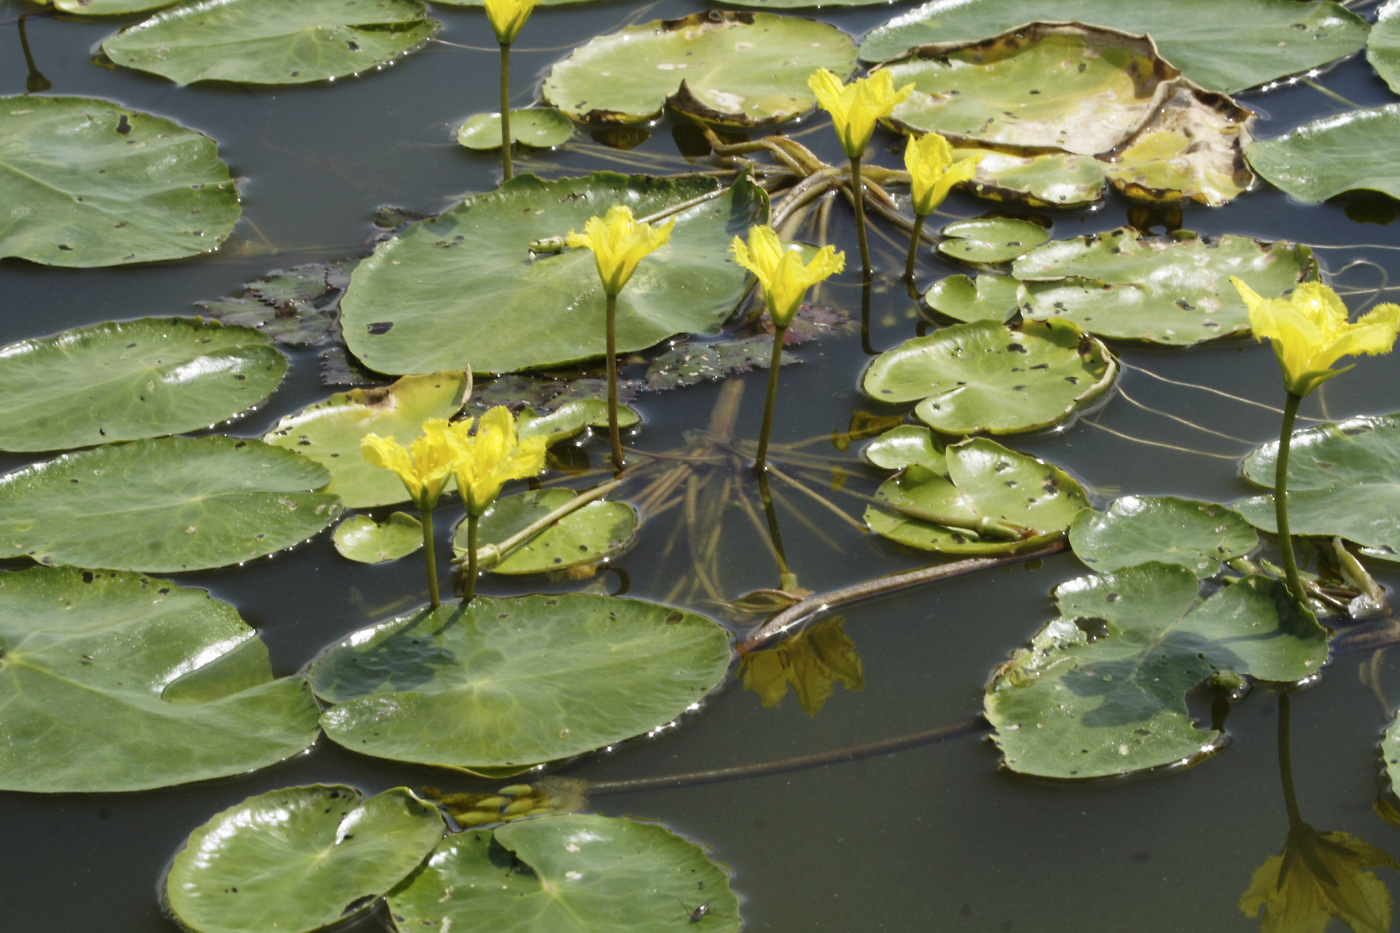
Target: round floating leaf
89, 183
123, 381
1171, 290
1224, 46
1359, 149
741, 69
163, 505
993, 501
1343, 480
991, 239
299, 858
363, 539
1047, 179
1102, 689
329, 432
117, 682
540, 127
1138, 529
111, 7
581, 874
1383, 48
508, 683
594, 533
1390, 753
271, 41
464, 288
907, 444
984, 376
989, 298
569, 419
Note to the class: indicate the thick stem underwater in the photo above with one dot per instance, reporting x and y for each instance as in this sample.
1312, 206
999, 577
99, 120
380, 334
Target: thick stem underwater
914, 246
469, 584
1285, 539
505, 110
614, 435
786, 580
761, 461
858, 189
430, 555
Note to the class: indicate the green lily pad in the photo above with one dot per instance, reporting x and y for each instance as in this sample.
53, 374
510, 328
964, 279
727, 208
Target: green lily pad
111, 7
984, 376
465, 288
1390, 753
123, 381
163, 505
989, 298
508, 683
907, 444
541, 127
1138, 529
1356, 150
1042, 179
1383, 48
594, 533
363, 539
1343, 480
579, 873
272, 41
89, 183
737, 69
1171, 290
329, 432
117, 682
1223, 46
992, 501
299, 858
1102, 689
571, 418
990, 240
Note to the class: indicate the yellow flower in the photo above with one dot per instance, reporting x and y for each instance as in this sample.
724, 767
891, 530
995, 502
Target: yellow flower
932, 171
425, 466
508, 17
1309, 332
779, 269
486, 460
1317, 877
619, 243
855, 107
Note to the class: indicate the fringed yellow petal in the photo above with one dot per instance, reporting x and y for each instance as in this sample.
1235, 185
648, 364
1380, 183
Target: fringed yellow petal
487, 459
619, 243
856, 107
932, 171
780, 270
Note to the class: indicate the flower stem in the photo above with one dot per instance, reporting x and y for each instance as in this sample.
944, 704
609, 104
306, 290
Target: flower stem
761, 461
614, 436
505, 111
1285, 763
1285, 539
914, 246
858, 189
469, 584
430, 555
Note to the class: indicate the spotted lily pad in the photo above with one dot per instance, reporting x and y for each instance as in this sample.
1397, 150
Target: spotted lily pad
1390, 753
271, 41
990, 240
1039, 179
540, 127
298, 859
1138, 529
740, 69
123, 381
592, 534
163, 505
571, 873
89, 183
984, 376
1355, 150
907, 444
464, 288
1102, 689
992, 501
118, 682
988, 298
1172, 290
1343, 480
329, 432
503, 684
363, 539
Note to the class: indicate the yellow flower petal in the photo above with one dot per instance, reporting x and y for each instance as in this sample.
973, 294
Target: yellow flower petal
932, 171
508, 17
424, 467
856, 107
619, 243
780, 272
487, 459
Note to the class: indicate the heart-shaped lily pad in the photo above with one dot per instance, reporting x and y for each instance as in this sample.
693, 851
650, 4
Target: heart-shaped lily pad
990, 240
572, 873
363, 539
741, 69
984, 376
592, 534
89, 183
123, 381
992, 501
111, 7
1172, 290
298, 859
464, 288
1390, 753
988, 298
503, 684
1343, 480
907, 444
329, 432
541, 127
117, 682
1102, 689
571, 418
1040, 179
163, 505
1355, 150
1383, 47
1138, 529
271, 41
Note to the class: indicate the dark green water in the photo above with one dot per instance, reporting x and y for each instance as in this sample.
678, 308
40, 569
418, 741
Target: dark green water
934, 838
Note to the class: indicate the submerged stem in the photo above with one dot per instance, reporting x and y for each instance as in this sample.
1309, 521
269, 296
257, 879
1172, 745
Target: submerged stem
761, 461
505, 110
